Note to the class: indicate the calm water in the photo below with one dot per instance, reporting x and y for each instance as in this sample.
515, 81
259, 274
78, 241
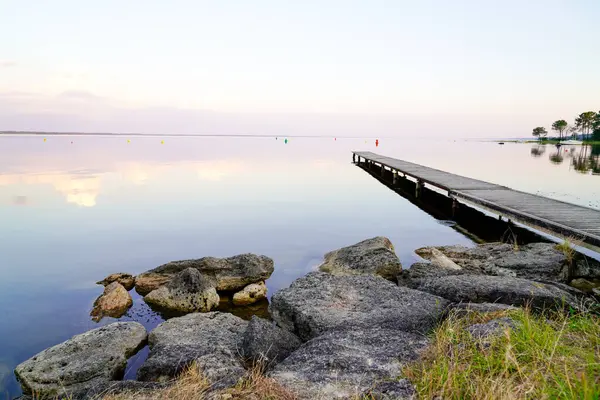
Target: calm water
74, 209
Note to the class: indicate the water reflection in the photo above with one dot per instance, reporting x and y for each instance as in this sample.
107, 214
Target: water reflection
538, 150
584, 159
556, 157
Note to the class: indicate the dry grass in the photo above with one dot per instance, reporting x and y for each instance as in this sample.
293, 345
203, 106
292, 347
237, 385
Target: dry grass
192, 385
554, 356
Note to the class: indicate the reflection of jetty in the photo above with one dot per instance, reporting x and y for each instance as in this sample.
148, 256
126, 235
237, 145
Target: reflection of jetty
557, 217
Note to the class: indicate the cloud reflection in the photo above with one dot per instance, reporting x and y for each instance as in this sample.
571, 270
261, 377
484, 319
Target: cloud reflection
83, 187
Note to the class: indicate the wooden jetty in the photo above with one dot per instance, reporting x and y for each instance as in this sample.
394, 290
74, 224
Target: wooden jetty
553, 216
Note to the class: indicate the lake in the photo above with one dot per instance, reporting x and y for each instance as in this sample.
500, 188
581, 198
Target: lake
74, 209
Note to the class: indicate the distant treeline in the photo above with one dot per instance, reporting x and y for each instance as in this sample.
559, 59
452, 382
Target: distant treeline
586, 127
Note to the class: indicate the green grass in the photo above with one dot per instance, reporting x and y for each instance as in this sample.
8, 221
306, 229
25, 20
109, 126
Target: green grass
554, 356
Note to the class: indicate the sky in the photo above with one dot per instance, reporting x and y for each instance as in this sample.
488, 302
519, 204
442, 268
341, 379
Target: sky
437, 68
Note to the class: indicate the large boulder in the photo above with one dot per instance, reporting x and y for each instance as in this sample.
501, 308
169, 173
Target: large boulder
266, 344
87, 360
536, 261
499, 289
208, 339
188, 291
232, 273
412, 277
149, 281
250, 294
319, 302
345, 364
372, 256
113, 302
127, 280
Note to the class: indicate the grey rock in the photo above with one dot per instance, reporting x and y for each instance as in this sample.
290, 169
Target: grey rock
210, 339
418, 271
498, 289
344, 364
532, 261
491, 328
462, 309
400, 389
82, 362
188, 291
586, 267
372, 256
267, 344
120, 387
232, 273
319, 302
127, 280
584, 285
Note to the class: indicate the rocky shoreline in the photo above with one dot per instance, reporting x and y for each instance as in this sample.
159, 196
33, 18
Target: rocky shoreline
340, 332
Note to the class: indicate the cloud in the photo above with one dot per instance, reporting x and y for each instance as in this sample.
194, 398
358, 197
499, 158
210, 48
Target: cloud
7, 63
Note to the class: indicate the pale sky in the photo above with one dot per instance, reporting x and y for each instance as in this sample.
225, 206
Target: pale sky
459, 68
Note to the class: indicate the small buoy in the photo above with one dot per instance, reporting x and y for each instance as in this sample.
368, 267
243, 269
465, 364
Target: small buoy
162, 142
44, 139
285, 141
335, 139
376, 142
71, 142
128, 141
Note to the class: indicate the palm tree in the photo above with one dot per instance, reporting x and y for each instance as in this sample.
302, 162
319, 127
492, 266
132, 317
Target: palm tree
560, 126
539, 132
585, 122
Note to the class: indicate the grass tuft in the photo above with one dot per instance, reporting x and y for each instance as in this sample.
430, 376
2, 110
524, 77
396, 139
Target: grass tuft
567, 250
552, 356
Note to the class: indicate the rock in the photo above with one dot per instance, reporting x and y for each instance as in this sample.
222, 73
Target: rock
232, 273
250, 294
210, 339
116, 388
532, 261
266, 344
584, 285
391, 390
92, 358
343, 364
372, 256
188, 291
418, 271
438, 258
498, 289
148, 281
462, 309
114, 302
586, 267
319, 302
491, 328
127, 280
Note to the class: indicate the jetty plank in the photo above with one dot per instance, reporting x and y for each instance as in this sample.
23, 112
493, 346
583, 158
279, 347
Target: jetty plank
561, 218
